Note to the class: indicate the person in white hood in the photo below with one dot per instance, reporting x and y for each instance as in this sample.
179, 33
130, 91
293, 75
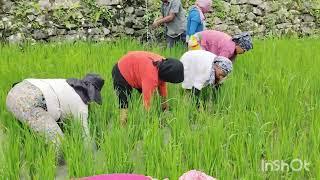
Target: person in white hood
41, 103
203, 68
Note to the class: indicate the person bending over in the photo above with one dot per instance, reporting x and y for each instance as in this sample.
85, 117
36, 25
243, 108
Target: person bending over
221, 44
146, 72
203, 68
42, 103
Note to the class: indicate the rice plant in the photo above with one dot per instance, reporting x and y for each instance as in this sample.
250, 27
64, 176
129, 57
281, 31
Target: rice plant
269, 109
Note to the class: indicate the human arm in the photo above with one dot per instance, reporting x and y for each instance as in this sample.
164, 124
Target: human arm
83, 118
175, 8
148, 87
163, 93
163, 20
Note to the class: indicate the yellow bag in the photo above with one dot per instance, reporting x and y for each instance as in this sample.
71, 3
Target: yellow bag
193, 43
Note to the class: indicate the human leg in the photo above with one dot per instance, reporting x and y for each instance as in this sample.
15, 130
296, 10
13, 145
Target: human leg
123, 91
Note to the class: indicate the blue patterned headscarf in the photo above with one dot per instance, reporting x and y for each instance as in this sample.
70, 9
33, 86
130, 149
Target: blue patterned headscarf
224, 63
243, 40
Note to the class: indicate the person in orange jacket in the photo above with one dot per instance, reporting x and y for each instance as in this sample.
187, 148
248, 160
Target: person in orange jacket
146, 72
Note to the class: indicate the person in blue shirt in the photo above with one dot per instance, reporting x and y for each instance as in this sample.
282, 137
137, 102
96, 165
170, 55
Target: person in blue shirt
196, 18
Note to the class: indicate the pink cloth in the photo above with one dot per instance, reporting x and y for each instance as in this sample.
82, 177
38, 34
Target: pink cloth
219, 43
205, 5
117, 177
202, 17
195, 175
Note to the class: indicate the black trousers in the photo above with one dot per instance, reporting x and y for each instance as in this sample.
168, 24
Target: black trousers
196, 96
121, 86
172, 41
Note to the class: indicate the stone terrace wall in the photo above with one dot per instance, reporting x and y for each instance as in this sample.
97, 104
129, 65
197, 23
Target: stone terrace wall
268, 18
55, 20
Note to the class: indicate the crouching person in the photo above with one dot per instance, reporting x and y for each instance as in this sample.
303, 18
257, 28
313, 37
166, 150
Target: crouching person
221, 44
203, 68
41, 103
146, 72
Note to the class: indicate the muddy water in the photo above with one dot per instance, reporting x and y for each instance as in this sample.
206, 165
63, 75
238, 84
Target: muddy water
61, 173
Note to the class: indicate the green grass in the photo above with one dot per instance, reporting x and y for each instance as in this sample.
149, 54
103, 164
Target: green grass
269, 109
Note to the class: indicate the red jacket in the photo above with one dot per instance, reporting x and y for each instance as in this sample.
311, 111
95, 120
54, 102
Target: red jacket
138, 70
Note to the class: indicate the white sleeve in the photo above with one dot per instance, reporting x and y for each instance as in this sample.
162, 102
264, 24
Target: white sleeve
83, 117
88, 142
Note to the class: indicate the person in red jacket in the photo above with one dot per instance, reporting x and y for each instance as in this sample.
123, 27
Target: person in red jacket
146, 72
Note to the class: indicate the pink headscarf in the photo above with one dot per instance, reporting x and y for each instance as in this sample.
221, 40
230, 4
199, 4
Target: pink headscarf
203, 6
195, 175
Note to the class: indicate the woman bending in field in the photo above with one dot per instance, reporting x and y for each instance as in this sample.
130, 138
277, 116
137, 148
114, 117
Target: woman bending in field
41, 103
146, 72
220, 43
203, 68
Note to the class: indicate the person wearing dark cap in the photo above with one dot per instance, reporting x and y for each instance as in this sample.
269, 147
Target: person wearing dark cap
220, 43
42, 103
146, 72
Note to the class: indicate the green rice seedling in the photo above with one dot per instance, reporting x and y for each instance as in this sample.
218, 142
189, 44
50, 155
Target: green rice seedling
266, 112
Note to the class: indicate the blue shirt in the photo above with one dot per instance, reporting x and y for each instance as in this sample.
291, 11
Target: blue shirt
194, 23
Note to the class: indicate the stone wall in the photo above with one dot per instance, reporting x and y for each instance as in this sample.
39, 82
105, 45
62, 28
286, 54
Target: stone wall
55, 20
268, 18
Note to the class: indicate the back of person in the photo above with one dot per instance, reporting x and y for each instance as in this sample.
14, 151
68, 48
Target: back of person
218, 43
62, 100
221, 43
197, 68
194, 23
40, 103
212, 37
136, 64
146, 72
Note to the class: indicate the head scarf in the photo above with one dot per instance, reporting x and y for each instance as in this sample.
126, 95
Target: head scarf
224, 63
170, 70
243, 40
205, 5
88, 88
